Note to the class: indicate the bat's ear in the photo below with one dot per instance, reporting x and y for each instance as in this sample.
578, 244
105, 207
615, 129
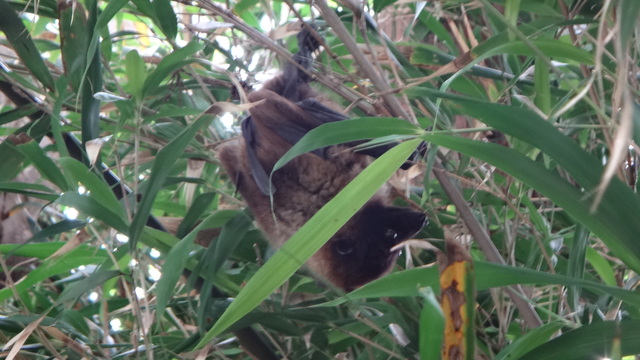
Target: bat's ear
306, 38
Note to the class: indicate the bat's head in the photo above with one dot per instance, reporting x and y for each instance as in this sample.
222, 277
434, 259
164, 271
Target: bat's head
361, 250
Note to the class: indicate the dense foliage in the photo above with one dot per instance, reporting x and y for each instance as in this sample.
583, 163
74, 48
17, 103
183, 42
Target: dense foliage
529, 109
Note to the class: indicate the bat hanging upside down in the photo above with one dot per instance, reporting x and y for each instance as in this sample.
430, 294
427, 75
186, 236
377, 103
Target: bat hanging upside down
361, 250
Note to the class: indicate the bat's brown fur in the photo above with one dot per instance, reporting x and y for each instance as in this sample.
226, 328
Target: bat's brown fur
360, 251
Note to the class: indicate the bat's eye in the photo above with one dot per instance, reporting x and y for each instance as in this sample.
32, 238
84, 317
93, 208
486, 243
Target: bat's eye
342, 247
391, 234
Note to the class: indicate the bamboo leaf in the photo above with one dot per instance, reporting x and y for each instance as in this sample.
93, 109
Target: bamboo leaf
168, 65
610, 222
179, 255
91, 82
91, 207
432, 324
166, 18
159, 172
74, 40
341, 132
488, 275
52, 267
57, 228
45, 165
529, 341
134, 66
36, 190
84, 286
311, 237
21, 41
96, 187
629, 11
199, 206
593, 341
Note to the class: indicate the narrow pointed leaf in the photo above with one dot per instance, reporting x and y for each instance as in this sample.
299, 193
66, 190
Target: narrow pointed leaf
304, 243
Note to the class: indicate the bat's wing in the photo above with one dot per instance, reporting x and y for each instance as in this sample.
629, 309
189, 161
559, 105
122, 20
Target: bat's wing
321, 114
292, 132
291, 129
318, 113
260, 175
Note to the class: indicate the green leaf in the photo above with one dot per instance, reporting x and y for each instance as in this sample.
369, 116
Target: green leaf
179, 255
57, 228
306, 241
555, 49
159, 172
542, 86
488, 275
232, 232
511, 11
135, 69
91, 82
576, 265
17, 113
169, 111
89, 206
593, 341
168, 65
199, 206
103, 18
51, 267
45, 165
244, 5
20, 39
97, 188
13, 161
610, 222
614, 221
432, 21
74, 40
601, 266
86, 285
636, 122
432, 325
628, 11
46, 249
145, 7
55, 123
34, 190
378, 5
76, 320
530, 340
166, 18
341, 132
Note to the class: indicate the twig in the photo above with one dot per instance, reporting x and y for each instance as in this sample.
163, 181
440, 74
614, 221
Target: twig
270, 44
376, 78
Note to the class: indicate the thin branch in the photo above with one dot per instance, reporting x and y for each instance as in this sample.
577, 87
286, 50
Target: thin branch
272, 45
372, 73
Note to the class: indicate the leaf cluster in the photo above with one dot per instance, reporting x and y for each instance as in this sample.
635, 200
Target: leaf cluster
110, 186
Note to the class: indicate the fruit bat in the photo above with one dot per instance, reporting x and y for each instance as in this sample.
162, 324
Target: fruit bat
361, 250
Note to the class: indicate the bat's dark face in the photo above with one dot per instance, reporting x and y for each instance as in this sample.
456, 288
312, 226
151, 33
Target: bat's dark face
361, 251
